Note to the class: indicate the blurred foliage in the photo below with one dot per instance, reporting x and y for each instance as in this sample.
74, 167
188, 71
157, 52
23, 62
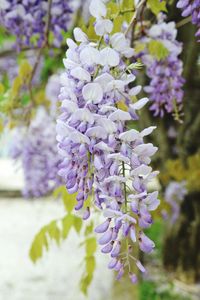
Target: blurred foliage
189, 170
149, 291
157, 6
157, 50
90, 245
58, 230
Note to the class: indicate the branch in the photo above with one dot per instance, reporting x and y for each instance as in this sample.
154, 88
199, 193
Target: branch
45, 45
184, 22
138, 9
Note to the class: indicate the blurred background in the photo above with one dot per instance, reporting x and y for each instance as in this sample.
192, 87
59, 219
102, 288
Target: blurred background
174, 266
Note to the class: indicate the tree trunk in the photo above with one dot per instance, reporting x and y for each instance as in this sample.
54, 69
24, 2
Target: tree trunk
182, 244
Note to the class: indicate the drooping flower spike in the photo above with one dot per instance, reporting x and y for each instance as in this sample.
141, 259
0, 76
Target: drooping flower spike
191, 8
101, 156
165, 89
36, 148
174, 196
27, 19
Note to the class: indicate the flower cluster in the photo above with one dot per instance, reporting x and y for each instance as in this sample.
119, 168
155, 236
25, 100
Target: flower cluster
102, 158
191, 8
37, 150
166, 82
27, 19
174, 195
10, 68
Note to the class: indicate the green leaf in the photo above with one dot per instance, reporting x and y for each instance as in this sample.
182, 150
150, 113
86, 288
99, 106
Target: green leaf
39, 243
156, 6
67, 224
157, 49
25, 99
54, 231
89, 229
90, 246
127, 5
69, 200
90, 264
77, 224
85, 283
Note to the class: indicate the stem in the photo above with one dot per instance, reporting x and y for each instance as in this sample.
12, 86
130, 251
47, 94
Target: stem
125, 192
183, 22
142, 4
45, 44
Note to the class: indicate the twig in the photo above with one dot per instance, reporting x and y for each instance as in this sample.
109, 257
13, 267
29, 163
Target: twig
44, 45
142, 3
184, 22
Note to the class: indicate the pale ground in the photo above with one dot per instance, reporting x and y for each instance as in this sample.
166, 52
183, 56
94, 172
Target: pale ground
56, 276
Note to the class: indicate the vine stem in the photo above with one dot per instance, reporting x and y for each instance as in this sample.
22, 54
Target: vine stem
126, 203
183, 22
44, 45
142, 3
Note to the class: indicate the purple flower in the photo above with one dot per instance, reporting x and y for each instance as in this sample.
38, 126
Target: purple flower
27, 19
166, 81
191, 8
37, 150
146, 245
101, 156
174, 195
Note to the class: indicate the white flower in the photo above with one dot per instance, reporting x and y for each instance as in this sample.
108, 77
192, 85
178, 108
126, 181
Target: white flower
83, 114
120, 43
80, 36
103, 26
115, 85
139, 104
129, 136
120, 115
78, 137
109, 57
107, 124
97, 9
135, 90
92, 92
90, 56
147, 131
81, 74
69, 105
4, 4
103, 80
71, 44
97, 132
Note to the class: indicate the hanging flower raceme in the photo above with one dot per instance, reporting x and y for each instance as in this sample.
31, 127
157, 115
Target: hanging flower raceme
27, 19
191, 8
166, 81
101, 157
174, 195
36, 149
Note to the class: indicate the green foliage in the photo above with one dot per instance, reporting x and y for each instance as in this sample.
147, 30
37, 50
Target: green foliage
127, 5
157, 49
135, 66
179, 171
150, 291
53, 231
89, 259
11, 98
69, 200
156, 6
